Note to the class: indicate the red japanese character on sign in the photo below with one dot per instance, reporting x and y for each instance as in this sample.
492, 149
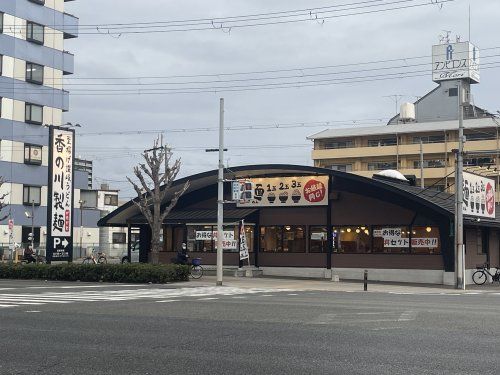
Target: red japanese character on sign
314, 191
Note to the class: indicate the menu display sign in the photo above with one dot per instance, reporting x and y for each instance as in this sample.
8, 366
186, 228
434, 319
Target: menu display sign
288, 191
479, 196
60, 195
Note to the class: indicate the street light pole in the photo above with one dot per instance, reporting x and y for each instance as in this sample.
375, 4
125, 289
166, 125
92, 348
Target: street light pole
220, 196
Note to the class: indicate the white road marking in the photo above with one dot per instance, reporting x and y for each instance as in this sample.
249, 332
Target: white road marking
160, 294
33, 311
207, 299
292, 294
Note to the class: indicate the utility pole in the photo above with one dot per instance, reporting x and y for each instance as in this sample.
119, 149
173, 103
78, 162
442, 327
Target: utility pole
81, 225
422, 183
459, 235
220, 196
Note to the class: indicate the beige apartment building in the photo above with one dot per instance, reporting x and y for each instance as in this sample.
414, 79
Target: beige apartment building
430, 131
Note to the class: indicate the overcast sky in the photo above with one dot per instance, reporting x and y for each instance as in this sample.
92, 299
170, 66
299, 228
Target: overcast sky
349, 40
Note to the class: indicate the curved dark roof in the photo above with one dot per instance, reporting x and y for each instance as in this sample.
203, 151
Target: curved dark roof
440, 204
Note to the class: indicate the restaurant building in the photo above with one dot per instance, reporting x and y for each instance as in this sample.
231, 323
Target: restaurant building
314, 222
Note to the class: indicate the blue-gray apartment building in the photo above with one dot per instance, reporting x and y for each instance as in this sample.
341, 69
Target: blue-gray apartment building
33, 63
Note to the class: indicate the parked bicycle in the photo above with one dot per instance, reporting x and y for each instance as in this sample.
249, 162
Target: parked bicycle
92, 259
481, 275
196, 270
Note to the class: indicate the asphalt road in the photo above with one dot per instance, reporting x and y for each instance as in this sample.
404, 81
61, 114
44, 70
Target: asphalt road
57, 328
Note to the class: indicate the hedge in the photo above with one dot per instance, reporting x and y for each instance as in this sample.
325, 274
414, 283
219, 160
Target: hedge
121, 273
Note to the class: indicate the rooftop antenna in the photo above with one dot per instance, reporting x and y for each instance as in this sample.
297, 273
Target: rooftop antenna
396, 98
469, 22
445, 39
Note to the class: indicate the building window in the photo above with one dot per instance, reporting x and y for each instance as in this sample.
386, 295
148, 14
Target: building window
41, 2
382, 142
351, 239
341, 167
338, 144
391, 239
382, 165
478, 162
33, 154
34, 73
1, 22
429, 139
110, 199
283, 239
201, 238
480, 136
318, 239
425, 240
436, 163
119, 238
34, 114
453, 91
32, 194
35, 32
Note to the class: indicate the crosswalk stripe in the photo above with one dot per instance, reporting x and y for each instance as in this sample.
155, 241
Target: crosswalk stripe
39, 297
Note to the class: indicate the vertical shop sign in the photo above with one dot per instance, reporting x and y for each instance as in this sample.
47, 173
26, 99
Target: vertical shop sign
243, 242
60, 195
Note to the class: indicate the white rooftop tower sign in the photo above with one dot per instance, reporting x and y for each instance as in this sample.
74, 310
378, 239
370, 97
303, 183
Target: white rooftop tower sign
455, 61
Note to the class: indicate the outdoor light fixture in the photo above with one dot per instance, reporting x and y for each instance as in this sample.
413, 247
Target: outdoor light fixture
348, 230
288, 227
27, 214
428, 229
366, 231
358, 230
363, 228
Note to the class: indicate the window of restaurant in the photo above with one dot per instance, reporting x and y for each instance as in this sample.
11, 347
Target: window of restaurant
203, 238
425, 240
318, 239
283, 239
391, 239
351, 239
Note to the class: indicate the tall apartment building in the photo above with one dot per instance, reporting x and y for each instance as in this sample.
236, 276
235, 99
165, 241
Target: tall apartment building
85, 166
432, 133
33, 62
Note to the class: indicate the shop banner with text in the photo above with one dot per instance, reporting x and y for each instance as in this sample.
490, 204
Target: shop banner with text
288, 191
60, 195
479, 196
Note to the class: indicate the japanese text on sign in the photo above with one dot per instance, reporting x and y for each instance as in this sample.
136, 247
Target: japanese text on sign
288, 191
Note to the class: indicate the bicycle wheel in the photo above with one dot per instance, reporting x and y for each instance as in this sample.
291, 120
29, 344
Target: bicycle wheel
41, 260
196, 272
479, 277
102, 260
87, 261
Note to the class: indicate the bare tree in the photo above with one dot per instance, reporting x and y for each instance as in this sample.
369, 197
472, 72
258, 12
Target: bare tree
156, 177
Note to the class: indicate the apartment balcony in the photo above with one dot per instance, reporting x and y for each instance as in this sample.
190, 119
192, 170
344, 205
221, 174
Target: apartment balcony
402, 150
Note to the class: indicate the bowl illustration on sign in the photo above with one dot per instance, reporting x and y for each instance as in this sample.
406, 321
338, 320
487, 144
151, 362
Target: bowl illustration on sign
271, 197
314, 191
283, 196
296, 196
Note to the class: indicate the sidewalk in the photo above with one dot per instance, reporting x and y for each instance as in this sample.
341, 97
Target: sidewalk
342, 286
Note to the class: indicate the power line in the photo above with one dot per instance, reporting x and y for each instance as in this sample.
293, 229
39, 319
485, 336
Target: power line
229, 23
251, 87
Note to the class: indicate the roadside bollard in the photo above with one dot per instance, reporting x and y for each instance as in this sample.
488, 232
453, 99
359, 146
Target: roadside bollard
366, 280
